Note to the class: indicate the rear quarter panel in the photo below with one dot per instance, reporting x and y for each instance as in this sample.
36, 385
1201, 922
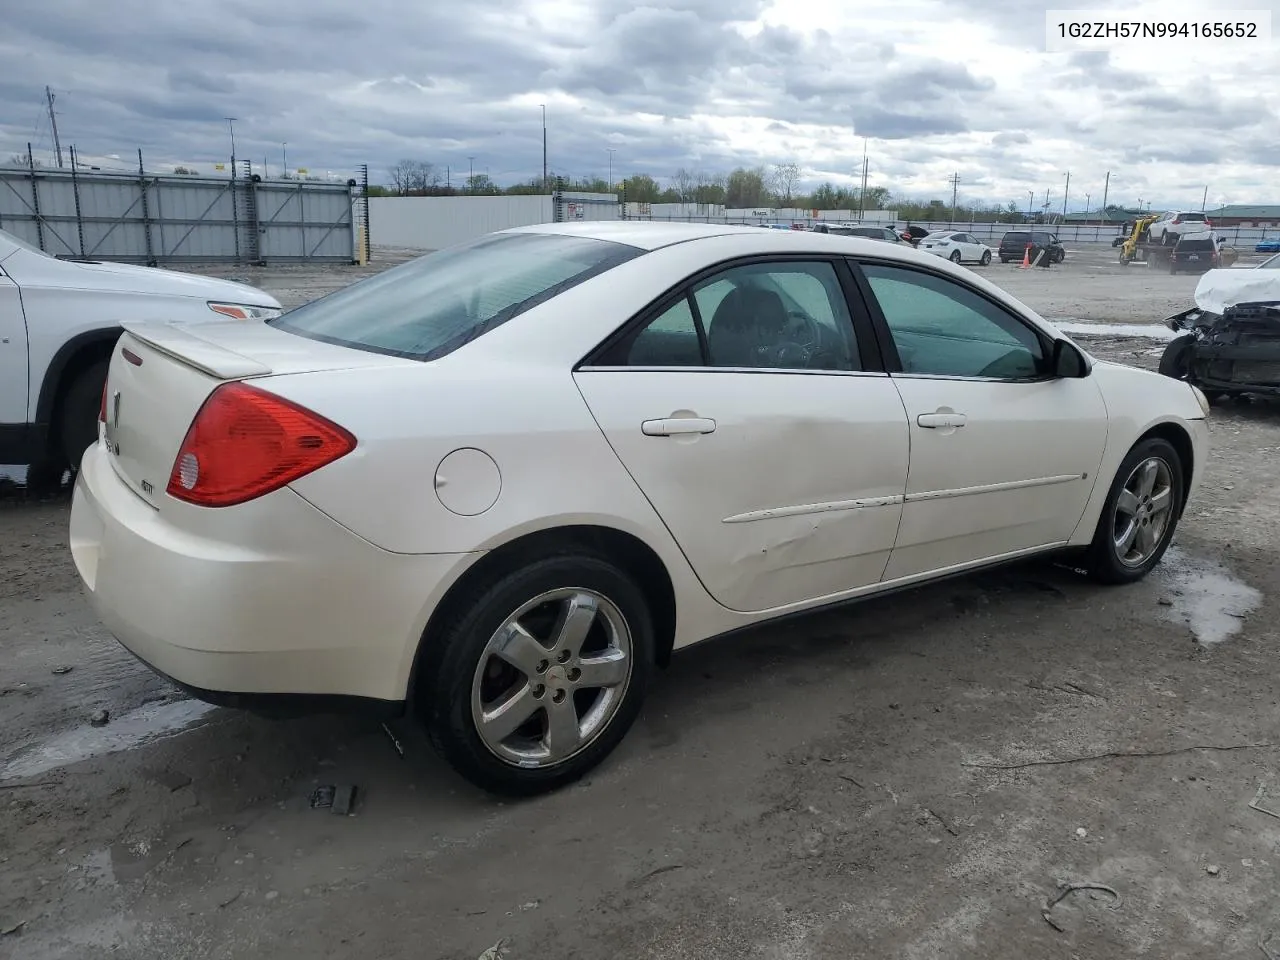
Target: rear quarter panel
556, 468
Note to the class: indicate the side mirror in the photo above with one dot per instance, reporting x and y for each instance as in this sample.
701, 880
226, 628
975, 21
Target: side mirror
1067, 362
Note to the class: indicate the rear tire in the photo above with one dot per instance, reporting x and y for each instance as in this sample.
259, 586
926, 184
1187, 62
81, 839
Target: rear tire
78, 413
955, 256
1137, 521
467, 680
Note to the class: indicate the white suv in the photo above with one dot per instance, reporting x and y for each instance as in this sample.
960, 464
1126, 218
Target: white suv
60, 319
1175, 223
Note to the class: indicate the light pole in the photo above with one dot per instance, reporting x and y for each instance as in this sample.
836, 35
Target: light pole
231, 125
471, 174
1031, 204
284, 159
544, 145
610, 151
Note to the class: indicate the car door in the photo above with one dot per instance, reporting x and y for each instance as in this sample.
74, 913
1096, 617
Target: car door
13, 354
1004, 456
759, 422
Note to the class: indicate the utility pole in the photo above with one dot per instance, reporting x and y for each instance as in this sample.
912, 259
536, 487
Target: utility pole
1203, 200
231, 126
1105, 188
1031, 204
471, 178
1066, 193
284, 159
544, 146
862, 194
448, 178
610, 151
954, 180
1087, 198
53, 122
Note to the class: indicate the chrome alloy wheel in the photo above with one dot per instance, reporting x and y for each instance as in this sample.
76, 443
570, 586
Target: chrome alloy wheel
551, 677
1143, 512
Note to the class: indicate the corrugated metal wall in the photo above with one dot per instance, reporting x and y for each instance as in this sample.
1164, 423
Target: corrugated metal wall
432, 223
150, 218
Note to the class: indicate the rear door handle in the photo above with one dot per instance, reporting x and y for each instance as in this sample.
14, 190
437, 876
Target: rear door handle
933, 421
677, 426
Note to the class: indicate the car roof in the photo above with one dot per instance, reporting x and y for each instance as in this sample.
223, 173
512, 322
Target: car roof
645, 234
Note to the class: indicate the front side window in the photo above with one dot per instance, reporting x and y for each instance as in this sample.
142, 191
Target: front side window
429, 307
941, 328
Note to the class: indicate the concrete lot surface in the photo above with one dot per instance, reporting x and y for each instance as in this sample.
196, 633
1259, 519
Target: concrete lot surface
909, 778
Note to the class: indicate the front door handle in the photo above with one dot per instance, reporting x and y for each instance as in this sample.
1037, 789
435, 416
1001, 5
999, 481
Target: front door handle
934, 421
677, 426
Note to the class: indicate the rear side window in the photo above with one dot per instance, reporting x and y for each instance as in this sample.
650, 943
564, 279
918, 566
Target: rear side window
427, 308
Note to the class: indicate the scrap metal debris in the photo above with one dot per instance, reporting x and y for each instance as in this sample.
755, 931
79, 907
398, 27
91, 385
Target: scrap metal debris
338, 799
59, 671
496, 952
1065, 889
1256, 803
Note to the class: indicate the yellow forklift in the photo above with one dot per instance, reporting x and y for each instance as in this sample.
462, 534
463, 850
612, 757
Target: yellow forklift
1137, 245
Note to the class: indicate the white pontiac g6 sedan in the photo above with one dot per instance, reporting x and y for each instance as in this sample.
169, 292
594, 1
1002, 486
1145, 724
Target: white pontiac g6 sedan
499, 483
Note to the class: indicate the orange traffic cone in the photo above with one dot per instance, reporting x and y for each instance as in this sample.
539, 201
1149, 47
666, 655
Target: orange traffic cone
1026, 257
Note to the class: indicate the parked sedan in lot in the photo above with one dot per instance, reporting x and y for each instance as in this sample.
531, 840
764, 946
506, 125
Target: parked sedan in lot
957, 247
1267, 246
499, 483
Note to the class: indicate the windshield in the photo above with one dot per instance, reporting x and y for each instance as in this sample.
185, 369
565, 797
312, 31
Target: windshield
427, 308
1271, 263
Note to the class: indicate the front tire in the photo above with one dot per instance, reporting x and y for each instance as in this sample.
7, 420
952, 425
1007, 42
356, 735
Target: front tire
1175, 362
540, 674
1140, 514
78, 414
986, 257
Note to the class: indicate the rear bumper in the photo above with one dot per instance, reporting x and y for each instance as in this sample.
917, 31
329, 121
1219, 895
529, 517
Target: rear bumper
267, 603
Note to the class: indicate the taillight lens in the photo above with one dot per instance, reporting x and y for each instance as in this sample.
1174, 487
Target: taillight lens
245, 442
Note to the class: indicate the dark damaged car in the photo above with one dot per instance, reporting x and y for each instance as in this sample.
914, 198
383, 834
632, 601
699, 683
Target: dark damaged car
1229, 342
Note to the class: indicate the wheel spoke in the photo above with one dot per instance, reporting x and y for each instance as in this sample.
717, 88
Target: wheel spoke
1162, 501
1146, 539
575, 621
499, 722
1127, 503
520, 648
1147, 478
563, 730
603, 670
1125, 543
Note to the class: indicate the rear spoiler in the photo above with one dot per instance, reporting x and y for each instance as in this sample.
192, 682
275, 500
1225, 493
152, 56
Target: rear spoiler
177, 341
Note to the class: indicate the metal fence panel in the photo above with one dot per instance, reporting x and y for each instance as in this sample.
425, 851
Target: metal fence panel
152, 218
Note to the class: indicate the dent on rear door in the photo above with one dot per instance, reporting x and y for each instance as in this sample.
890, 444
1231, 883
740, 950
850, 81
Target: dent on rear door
795, 495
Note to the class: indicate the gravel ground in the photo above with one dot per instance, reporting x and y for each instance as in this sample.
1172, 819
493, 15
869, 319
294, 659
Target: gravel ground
868, 783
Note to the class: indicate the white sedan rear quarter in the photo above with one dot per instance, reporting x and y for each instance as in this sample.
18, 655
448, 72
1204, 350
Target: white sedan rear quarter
503, 481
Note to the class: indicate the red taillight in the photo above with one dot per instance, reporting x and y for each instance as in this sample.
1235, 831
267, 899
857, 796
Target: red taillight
245, 442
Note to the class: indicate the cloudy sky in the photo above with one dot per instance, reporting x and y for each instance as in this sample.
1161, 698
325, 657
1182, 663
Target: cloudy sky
938, 86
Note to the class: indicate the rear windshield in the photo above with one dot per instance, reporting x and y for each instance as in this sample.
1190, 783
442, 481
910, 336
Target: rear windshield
1195, 245
1191, 216
1014, 236
428, 307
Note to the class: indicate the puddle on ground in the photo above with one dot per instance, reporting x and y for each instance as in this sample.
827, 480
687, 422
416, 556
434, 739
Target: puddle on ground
1205, 596
1154, 331
152, 722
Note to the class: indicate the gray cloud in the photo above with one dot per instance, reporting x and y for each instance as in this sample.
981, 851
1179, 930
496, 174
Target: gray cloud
666, 83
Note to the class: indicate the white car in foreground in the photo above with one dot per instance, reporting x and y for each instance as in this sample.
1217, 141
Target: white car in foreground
58, 322
503, 481
956, 247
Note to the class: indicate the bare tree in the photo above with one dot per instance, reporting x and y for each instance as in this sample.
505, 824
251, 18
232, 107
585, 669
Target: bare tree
784, 180
413, 176
683, 182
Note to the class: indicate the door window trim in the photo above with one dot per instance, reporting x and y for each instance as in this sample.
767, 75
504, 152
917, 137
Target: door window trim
873, 361
889, 349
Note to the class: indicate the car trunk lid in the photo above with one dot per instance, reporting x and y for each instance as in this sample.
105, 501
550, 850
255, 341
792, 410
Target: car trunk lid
161, 373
